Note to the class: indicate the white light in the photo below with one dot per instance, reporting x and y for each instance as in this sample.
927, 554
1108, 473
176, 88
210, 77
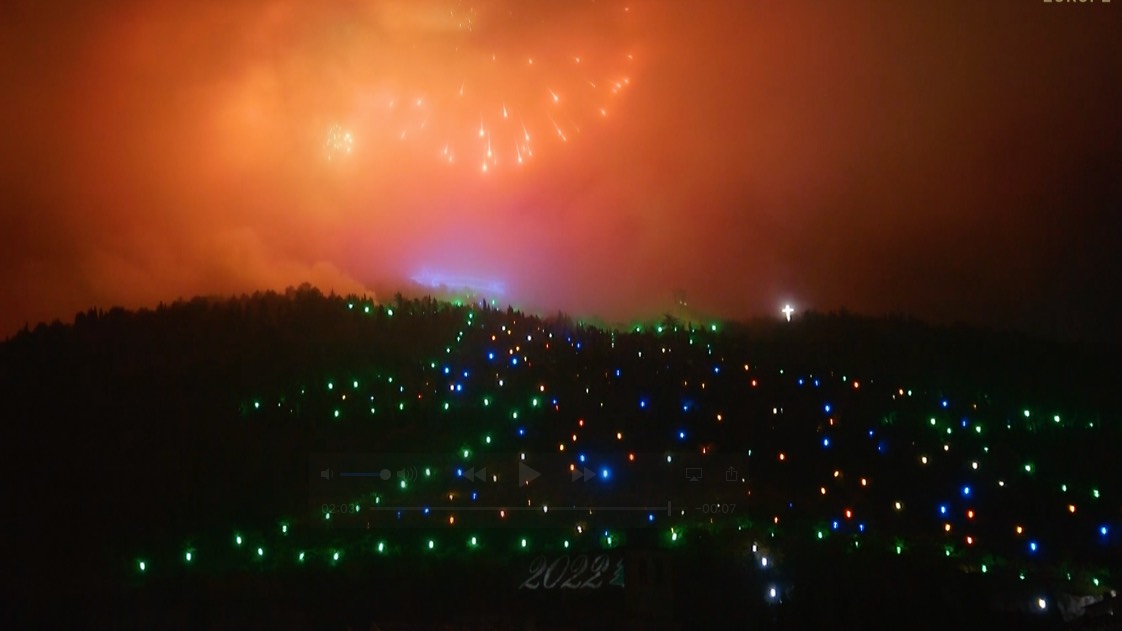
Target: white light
1041, 603
787, 311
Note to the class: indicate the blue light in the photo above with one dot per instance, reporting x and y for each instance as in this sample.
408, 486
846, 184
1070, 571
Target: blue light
861, 527
870, 433
521, 431
465, 374
942, 509
460, 472
825, 442
682, 435
426, 510
1032, 546
474, 495
827, 408
1103, 530
578, 346
617, 372
459, 388
581, 457
835, 524
966, 491
446, 370
944, 403
642, 403
605, 473
490, 355
800, 381
716, 370
650, 516
514, 361
815, 383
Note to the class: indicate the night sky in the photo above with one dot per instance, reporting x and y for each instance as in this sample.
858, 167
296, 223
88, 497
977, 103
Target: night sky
949, 160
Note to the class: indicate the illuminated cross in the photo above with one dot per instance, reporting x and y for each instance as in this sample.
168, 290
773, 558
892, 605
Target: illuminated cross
787, 311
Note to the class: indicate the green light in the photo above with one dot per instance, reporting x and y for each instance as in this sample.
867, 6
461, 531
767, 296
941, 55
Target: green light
1095, 493
1028, 468
336, 413
335, 556
1026, 413
1095, 582
257, 405
366, 309
566, 543
978, 429
486, 401
381, 547
534, 403
820, 535
284, 529
984, 568
1056, 418
487, 439
401, 406
514, 414
1021, 576
899, 549
523, 543
432, 544
142, 565
300, 559
238, 540
428, 472
389, 312
260, 552
713, 328
474, 542
187, 556
445, 407
403, 484
1063, 487
467, 454
932, 422
330, 386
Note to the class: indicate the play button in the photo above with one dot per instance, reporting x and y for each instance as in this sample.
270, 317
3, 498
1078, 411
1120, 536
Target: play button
526, 474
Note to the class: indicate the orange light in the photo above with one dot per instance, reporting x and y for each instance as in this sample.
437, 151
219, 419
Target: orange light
451, 519
619, 435
753, 383
969, 541
946, 527
836, 473
631, 457
848, 514
580, 422
970, 514
822, 490
719, 418
864, 482
782, 456
1020, 530
856, 385
1071, 508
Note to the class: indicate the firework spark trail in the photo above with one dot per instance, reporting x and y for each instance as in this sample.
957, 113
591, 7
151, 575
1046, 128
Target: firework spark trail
476, 84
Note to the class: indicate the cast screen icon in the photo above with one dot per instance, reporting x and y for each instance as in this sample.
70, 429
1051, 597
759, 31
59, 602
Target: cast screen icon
693, 474
731, 475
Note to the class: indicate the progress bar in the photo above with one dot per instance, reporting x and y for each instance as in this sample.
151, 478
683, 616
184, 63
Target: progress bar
539, 509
